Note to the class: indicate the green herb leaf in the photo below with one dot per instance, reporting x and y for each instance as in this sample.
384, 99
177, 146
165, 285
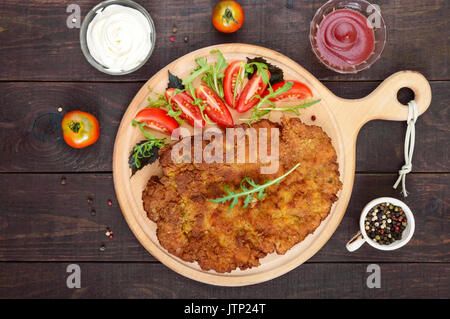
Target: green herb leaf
212, 74
203, 67
260, 70
159, 102
175, 82
239, 84
294, 109
199, 102
257, 112
141, 126
248, 192
162, 101
144, 153
174, 111
276, 74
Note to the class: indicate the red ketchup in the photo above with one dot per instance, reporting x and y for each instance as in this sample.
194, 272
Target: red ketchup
344, 39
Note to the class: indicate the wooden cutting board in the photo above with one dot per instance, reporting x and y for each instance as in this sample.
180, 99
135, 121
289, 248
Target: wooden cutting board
340, 118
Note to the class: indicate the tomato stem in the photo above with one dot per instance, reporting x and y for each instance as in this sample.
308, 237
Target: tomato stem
74, 126
228, 16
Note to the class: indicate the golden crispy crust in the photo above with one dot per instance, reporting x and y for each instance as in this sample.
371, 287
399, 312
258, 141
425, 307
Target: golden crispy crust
196, 229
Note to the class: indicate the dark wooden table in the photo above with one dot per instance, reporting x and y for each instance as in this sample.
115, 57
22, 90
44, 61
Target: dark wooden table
46, 225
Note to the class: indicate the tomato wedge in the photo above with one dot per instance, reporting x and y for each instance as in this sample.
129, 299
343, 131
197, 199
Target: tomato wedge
190, 112
215, 107
232, 87
157, 119
247, 98
299, 91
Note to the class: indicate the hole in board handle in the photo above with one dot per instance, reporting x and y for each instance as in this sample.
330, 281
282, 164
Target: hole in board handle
405, 95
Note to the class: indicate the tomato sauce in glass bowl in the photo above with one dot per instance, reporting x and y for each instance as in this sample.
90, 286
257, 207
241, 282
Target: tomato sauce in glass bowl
344, 39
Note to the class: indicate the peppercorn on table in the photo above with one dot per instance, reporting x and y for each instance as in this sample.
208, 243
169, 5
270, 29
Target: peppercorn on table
58, 203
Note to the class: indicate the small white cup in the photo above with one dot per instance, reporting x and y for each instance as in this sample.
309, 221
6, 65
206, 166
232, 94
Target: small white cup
361, 237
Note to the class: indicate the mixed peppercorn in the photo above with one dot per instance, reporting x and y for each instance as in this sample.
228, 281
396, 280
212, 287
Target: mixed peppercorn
385, 223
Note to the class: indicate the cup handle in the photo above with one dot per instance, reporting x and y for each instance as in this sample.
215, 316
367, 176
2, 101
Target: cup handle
356, 242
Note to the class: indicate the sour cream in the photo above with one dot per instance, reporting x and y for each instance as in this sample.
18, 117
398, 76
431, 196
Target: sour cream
119, 38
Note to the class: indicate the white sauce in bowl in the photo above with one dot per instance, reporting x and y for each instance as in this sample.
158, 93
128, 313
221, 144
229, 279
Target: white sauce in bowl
119, 38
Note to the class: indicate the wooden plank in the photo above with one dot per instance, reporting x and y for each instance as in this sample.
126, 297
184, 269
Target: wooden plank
379, 147
144, 280
42, 220
24, 103
37, 45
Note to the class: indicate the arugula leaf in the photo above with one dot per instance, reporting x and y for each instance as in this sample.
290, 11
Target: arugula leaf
175, 82
214, 78
293, 109
199, 102
276, 74
260, 67
240, 84
212, 74
172, 112
176, 115
145, 152
258, 111
141, 126
257, 189
203, 66
158, 102
162, 101
266, 99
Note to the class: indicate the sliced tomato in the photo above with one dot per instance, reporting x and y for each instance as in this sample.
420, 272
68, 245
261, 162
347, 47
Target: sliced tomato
247, 98
190, 112
299, 91
232, 87
215, 107
157, 119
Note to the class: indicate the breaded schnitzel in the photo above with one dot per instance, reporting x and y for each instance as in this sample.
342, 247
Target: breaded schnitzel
193, 228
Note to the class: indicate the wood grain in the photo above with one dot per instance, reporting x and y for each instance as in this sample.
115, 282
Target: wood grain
37, 45
22, 103
149, 280
41, 221
55, 223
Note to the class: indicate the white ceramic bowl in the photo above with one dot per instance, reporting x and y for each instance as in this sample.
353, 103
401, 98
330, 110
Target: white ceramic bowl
91, 15
361, 237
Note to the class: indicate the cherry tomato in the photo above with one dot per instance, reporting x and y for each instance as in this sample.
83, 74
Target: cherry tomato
247, 98
157, 119
184, 102
232, 87
215, 107
80, 129
299, 91
228, 16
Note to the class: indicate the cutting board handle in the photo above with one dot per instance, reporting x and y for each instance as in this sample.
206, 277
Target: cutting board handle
382, 103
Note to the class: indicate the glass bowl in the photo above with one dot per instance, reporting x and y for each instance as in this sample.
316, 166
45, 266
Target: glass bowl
371, 12
90, 16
